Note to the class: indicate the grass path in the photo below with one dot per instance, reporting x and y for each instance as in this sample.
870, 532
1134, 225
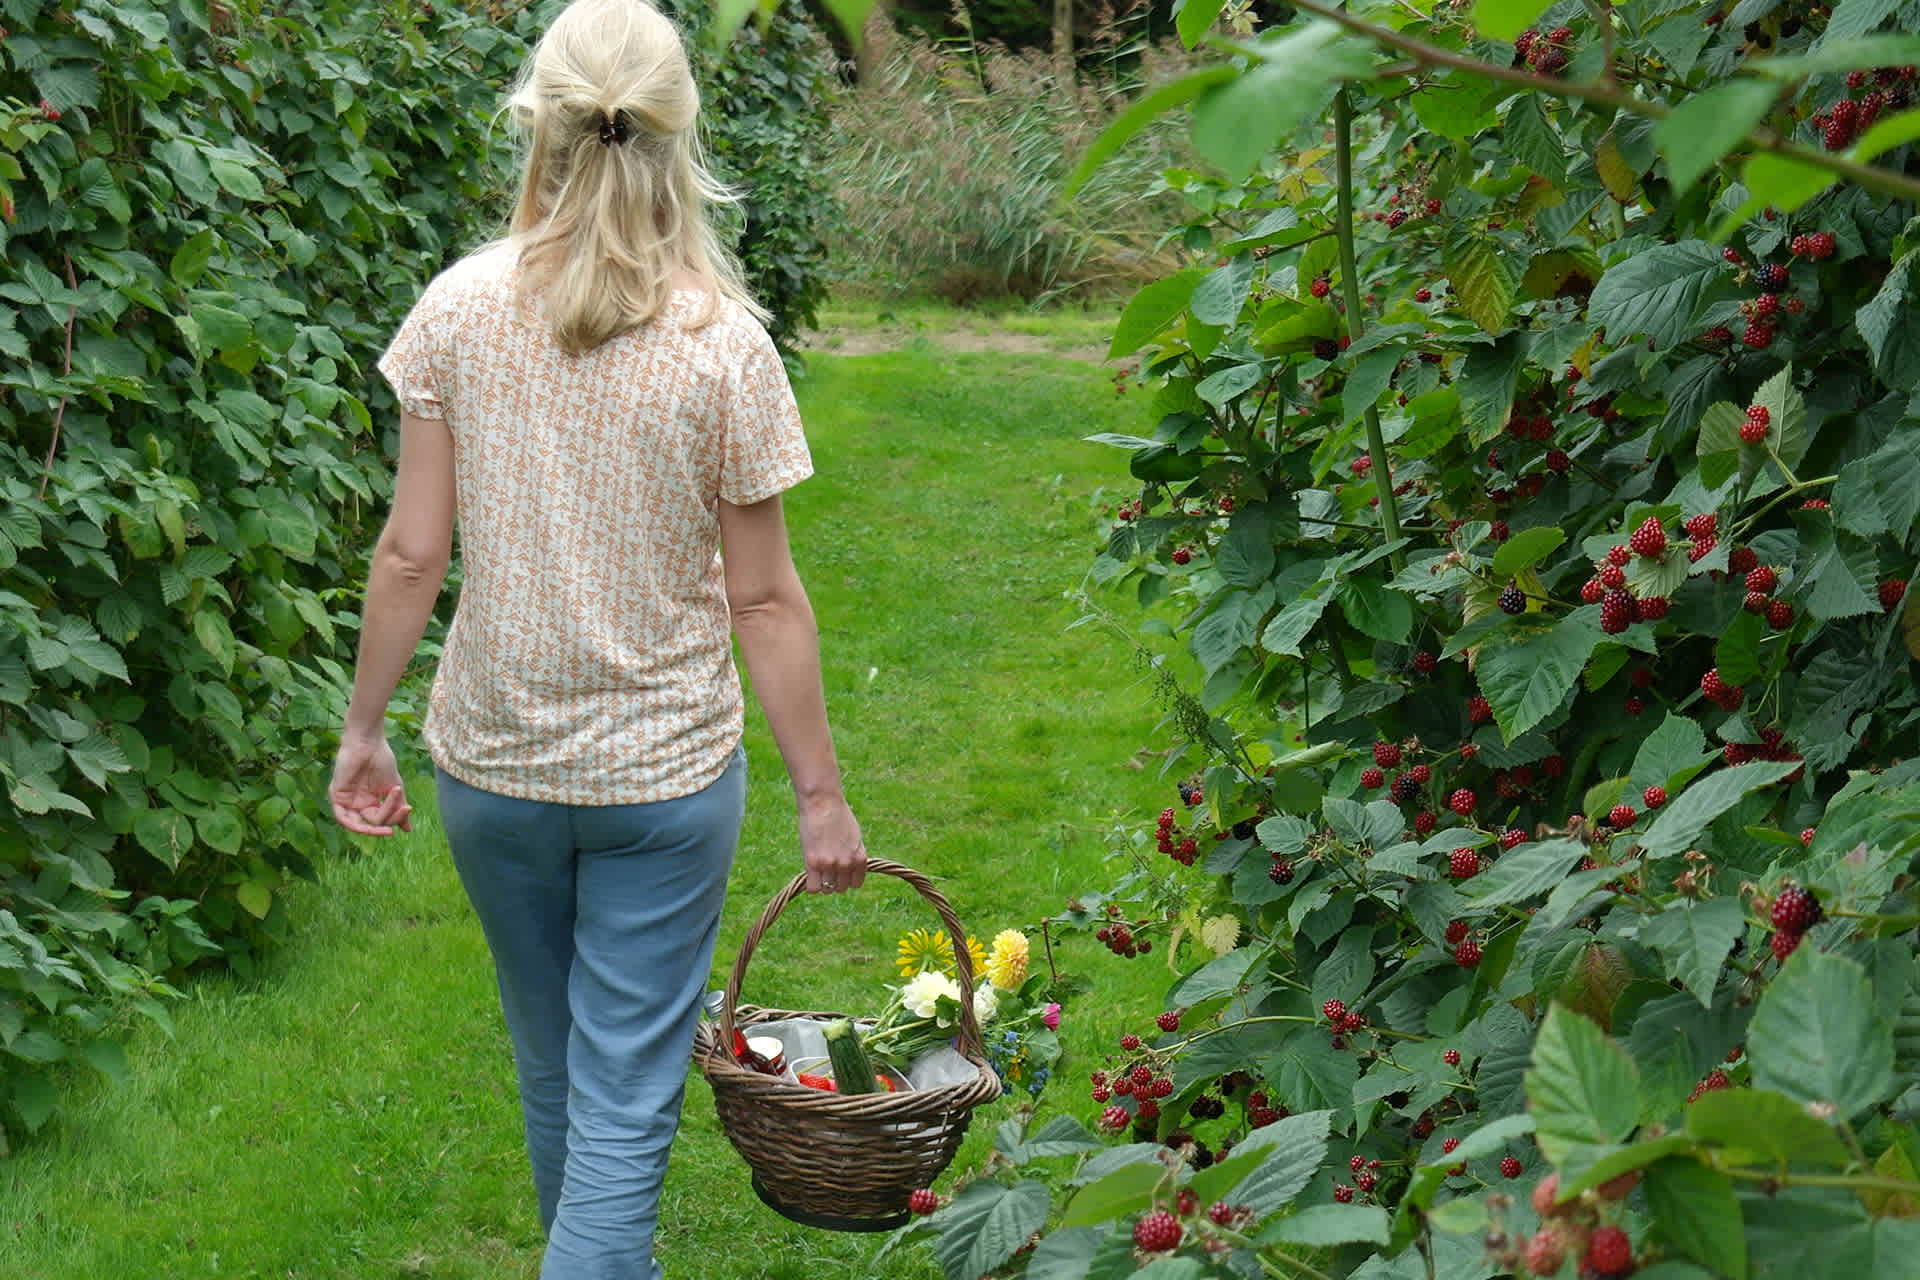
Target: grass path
352, 1115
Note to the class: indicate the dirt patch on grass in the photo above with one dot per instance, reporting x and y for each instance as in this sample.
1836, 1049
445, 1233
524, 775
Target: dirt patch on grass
867, 341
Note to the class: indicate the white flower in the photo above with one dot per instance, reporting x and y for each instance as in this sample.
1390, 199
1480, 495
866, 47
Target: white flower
923, 991
986, 1003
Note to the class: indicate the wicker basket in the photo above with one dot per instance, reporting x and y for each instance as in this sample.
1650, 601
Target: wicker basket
842, 1163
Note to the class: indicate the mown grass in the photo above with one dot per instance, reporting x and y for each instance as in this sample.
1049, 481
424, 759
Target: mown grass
351, 1114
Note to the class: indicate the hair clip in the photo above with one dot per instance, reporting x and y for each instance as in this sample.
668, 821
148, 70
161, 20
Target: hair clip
613, 128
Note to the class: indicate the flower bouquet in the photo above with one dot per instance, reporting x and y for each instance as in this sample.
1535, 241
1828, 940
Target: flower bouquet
1017, 1022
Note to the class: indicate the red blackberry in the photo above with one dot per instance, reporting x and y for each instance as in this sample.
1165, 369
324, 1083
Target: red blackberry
1558, 461
1397, 218
1386, 754
923, 1201
1320, 288
1158, 1232
1704, 525
1784, 945
1469, 752
1633, 706
1421, 774
1756, 602
1613, 577
1763, 579
1461, 802
1546, 1251
1796, 910
1220, 1213
1512, 838
1281, 872
1779, 615
1142, 1077
1815, 504
1650, 539
1129, 1042
1425, 663
1479, 710
1432, 207
1334, 1011
1618, 612
1463, 864
1621, 816
1449, 1145
1548, 61
1500, 531
1451, 1057
1424, 822
1512, 599
1169, 1021
1115, 1118
1892, 591
1699, 550
1609, 1252
1654, 608
1343, 1193
1742, 560
1807, 834
1467, 954
1423, 295
1593, 590
1456, 931
1713, 686
1654, 797
1717, 337
1732, 256
1509, 1167
1754, 429
1560, 35
1617, 554
1372, 779
1820, 244
1182, 555
1836, 136
1758, 336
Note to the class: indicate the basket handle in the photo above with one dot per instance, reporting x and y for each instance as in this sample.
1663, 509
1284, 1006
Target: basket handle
970, 1044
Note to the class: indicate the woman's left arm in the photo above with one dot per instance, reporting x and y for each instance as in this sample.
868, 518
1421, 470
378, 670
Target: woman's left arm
403, 584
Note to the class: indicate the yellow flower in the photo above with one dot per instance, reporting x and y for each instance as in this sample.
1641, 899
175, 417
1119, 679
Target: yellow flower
924, 949
1007, 964
977, 954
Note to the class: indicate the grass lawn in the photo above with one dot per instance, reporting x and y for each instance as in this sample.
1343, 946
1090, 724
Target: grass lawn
352, 1114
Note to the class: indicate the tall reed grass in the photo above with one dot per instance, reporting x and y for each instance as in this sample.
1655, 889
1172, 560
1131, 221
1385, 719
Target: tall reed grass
951, 159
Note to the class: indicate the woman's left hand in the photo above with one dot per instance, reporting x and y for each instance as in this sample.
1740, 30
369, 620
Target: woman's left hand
367, 794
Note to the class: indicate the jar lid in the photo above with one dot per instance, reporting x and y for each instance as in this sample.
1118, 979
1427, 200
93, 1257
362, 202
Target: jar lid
772, 1048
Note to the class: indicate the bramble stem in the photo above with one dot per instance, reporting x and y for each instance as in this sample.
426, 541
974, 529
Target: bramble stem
1350, 287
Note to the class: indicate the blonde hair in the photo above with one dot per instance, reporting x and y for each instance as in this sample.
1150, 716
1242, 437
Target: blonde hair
603, 226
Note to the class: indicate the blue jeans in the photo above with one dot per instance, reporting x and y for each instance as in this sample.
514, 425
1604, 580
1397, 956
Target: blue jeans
601, 921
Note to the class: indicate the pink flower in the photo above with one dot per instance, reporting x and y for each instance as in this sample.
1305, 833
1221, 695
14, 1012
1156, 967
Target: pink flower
1051, 1016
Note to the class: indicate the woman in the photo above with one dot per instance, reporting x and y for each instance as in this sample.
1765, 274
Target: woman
597, 399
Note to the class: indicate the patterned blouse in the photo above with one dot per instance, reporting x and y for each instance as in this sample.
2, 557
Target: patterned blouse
590, 659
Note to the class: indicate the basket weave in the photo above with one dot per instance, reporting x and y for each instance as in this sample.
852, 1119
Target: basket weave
845, 1163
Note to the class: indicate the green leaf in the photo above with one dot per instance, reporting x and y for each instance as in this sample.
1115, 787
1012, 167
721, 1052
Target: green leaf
164, 833
1844, 55
1068, 1253
1296, 1147
1837, 568
1370, 376
235, 178
256, 896
1582, 1086
1532, 869
1218, 297
1484, 278
1708, 125
1237, 123
1756, 1126
1895, 131
1323, 1225
221, 829
1526, 549
34, 1097
1139, 116
1151, 310
1285, 632
1245, 557
1695, 1210
1659, 293
108, 1058
1853, 18
1681, 822
191, 258
1532, 139
1454, 105
1779, 183
1194, 18
987, 1223
1348, 969
1376, 610
1505, 19
1722, 452
1486, 384
1693, 939
1817, 1037
1528, 680
1887, 324
1737, 653
1670, 756
222, 329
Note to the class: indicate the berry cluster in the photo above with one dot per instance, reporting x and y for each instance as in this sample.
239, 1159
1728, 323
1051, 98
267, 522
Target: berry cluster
1545, 53
1182, 851
1727, 697
1714, 1081
1341, 1019
1118, 937
1772, 746
1575, 1229
1840, 124
1754, 429
1795, 910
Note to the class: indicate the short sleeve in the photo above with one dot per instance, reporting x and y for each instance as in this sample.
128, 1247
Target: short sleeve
415, 363
765, 449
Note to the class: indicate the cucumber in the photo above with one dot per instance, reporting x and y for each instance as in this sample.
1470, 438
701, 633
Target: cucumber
852, 1069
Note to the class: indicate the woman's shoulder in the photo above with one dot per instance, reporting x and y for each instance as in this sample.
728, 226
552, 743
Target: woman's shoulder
487, 270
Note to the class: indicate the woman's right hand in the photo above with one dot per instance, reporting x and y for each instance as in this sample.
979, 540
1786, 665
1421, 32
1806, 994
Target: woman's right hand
831, 846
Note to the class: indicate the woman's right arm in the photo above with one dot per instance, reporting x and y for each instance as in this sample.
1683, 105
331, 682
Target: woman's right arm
781, 648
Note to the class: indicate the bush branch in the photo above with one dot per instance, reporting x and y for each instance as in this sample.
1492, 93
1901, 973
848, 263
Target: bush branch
1872, 177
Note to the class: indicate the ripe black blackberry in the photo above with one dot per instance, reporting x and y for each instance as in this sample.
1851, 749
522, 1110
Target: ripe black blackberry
1513, 599
1405, 789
